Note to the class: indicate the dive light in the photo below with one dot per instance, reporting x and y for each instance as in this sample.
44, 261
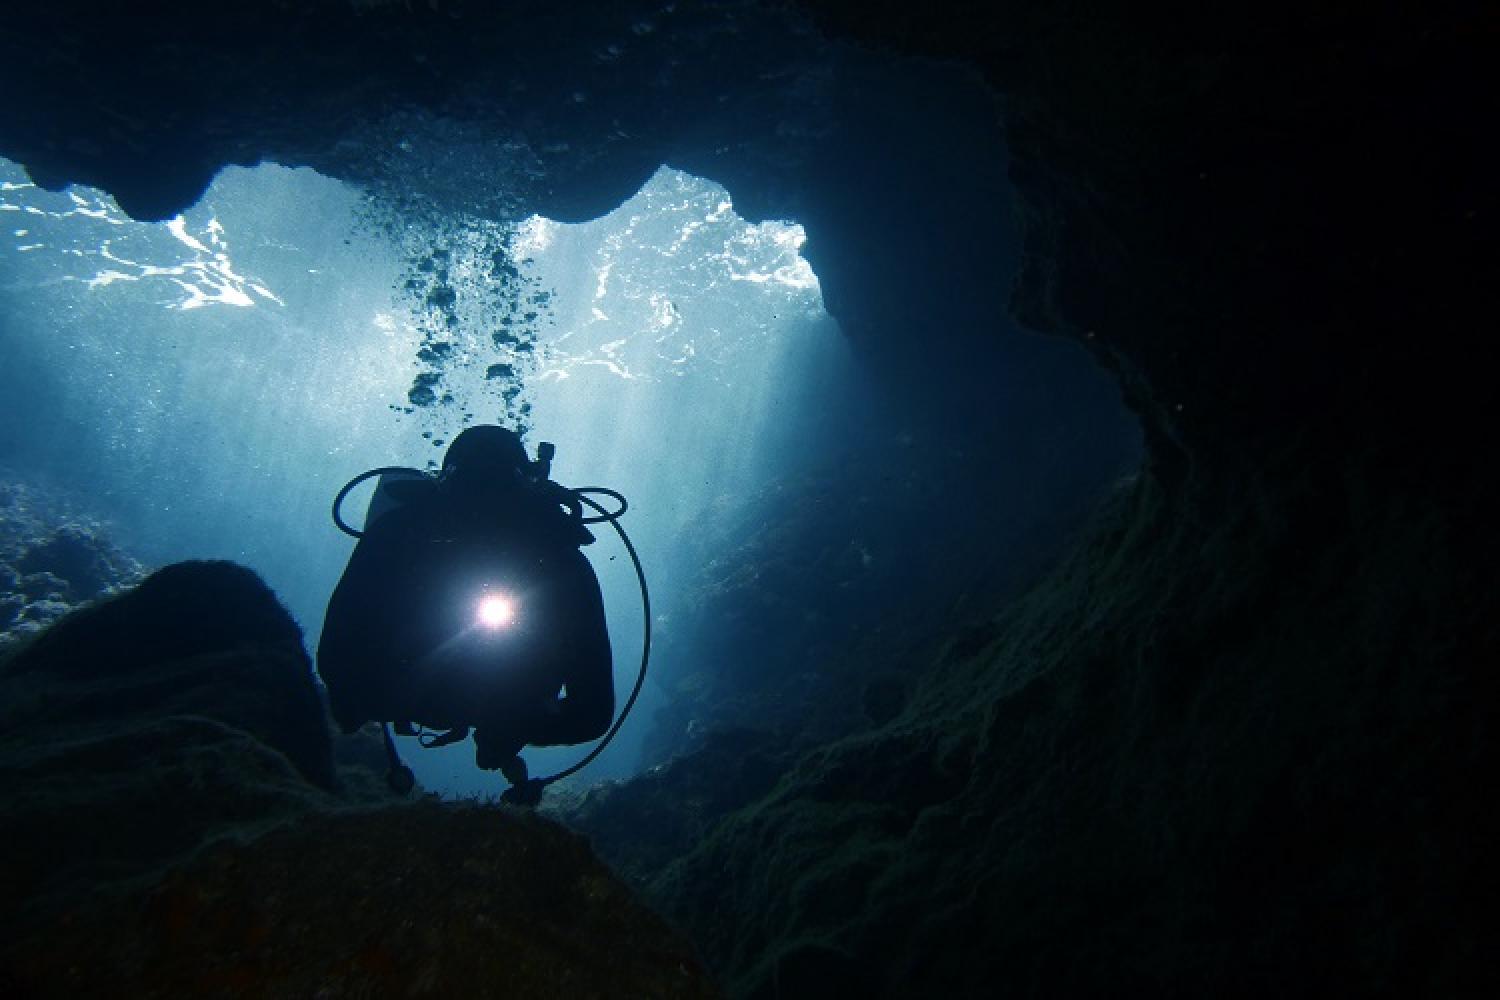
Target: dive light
495, 612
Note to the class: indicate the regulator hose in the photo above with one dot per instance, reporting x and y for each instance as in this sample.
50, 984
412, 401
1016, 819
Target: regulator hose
611, 516
640, 574
338, 501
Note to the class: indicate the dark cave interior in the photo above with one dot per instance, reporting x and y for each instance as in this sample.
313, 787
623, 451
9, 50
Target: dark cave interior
1234, 737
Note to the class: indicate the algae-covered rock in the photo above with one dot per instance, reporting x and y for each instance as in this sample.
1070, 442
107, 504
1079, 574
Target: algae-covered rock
410, 900
174, 826
196, 638
139, 728
53, 558
641, 825
1170, 770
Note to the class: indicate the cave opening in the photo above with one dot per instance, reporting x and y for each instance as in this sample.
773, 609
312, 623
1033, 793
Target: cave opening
815, 497
209, 382
206, 384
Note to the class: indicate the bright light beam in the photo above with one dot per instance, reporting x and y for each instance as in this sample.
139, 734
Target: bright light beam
495, 611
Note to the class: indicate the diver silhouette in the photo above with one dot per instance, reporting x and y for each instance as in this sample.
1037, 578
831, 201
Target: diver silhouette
467, 605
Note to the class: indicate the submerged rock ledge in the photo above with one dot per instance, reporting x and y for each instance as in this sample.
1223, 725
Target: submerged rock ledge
1172, 770
174, 825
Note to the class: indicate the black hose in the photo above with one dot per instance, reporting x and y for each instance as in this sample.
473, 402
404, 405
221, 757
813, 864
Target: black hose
338, 501
603, 514
640, 679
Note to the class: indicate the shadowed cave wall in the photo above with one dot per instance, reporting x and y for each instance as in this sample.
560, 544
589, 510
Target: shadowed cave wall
1237, 741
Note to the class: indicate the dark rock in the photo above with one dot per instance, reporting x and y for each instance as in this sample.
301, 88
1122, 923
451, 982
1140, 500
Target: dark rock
643, 825
141, 727
34, 613
184, 610
806, 588
810, 969
89, 564
584, 86
408, 900
52, 559
363, 748
172, 827
1151, 779
884, 697
43, 587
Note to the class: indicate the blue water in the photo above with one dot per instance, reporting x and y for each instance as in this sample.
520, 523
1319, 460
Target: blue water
207, 384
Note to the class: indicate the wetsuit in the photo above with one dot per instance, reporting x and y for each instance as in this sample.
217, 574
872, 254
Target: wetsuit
402, 640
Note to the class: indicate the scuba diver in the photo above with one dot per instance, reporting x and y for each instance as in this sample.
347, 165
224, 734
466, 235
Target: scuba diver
468, 605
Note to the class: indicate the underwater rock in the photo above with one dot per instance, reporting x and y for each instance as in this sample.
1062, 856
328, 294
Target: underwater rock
423, 899
89, 564
555, 110
30, 614
173, 826
642, 825
1168, 770
884, 697
51, 560
805, 589
140, 727
42, 587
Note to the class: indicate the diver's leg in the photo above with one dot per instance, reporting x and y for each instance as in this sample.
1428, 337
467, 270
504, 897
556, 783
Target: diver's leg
515, 770
495, 749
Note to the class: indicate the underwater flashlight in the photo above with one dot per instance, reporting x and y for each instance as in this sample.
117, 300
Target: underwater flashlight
495, 611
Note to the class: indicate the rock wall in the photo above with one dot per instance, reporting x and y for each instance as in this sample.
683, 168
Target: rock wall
1260, 216
1191, 761
53, 558
1235, 745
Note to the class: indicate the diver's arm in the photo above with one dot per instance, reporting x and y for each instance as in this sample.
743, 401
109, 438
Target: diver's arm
343, 654
589, 706
355, 646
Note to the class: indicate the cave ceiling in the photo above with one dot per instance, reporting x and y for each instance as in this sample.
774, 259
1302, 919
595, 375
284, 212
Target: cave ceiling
1207, 197
501, 110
